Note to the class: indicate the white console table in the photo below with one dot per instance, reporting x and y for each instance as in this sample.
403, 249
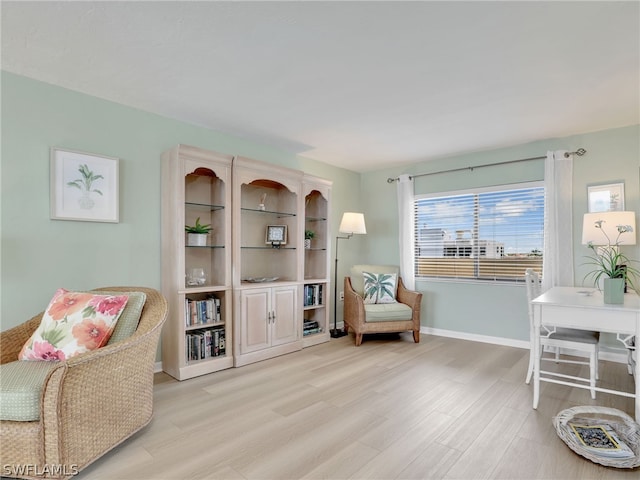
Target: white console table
566, 307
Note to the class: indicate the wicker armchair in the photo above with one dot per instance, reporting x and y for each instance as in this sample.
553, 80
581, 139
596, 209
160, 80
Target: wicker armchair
359, 316
90, 403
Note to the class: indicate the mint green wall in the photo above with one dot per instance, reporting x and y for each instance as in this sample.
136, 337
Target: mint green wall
38, 254
498, 310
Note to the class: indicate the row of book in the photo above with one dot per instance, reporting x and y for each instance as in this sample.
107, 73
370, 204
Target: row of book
310, 327
313, 294
201, 312
205, 343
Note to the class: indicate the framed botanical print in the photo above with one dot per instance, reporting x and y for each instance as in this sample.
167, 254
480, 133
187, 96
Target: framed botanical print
84, 186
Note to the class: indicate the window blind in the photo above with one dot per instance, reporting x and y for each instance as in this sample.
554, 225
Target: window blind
491, 234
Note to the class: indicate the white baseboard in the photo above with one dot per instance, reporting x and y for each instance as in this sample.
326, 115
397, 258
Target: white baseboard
157, 368
606, 353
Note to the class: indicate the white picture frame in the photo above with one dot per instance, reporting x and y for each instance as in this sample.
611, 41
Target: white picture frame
83, 186
276, 235
606, 197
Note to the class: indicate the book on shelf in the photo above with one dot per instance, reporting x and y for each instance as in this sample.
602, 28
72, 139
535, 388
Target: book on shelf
309, 327
201, 312
311, 331
205, 343
313, 295
601, 440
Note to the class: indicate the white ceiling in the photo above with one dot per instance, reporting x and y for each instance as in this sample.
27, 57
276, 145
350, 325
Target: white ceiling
361, 85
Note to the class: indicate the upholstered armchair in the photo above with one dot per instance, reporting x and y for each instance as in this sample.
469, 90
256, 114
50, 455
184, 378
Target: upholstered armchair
88, 403
361, 317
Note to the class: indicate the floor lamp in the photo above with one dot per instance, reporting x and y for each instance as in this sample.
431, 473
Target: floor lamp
352, 223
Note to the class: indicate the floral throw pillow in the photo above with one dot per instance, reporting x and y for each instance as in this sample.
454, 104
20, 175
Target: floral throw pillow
73, 323
379, 287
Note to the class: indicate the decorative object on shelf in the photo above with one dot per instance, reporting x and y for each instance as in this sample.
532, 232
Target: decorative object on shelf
604, 233
606, 198
351, 223
196, 277
260, 279
197, 234
276, 235
84, 186
263, 199
308, 236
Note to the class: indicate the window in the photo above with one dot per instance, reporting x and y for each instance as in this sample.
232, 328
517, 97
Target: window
490, 234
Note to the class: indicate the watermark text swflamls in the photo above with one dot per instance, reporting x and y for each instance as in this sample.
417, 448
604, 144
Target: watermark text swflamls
29, 469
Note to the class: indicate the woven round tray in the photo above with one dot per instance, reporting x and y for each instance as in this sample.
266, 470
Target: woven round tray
620, 422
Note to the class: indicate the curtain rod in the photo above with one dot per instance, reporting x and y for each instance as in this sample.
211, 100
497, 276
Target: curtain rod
580, 152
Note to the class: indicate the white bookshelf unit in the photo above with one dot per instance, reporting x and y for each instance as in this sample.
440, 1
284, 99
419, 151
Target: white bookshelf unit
196, 280
316, 296
253, 291
267, 268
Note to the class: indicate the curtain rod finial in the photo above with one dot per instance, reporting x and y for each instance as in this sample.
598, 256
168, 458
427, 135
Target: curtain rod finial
391, 180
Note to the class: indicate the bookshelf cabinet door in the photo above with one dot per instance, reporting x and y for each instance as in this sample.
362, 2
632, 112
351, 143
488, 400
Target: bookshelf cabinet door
255, 319
285, 311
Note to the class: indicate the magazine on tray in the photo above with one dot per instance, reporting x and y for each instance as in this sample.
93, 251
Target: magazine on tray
601, 440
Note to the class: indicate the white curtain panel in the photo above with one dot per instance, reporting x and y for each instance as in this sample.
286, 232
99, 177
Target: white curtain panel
557, 263
406, 230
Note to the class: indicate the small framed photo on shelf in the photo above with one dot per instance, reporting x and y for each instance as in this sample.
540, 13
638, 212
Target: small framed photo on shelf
84, 186
276, 235
606, 198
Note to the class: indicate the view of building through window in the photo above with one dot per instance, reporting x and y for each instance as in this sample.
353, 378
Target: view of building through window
492, 234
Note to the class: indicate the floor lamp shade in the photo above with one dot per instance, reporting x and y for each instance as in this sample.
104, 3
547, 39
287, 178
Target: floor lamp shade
352, 224
602, 228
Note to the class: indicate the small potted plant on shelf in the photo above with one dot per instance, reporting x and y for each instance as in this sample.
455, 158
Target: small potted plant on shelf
308, 235
611, 265
197, 234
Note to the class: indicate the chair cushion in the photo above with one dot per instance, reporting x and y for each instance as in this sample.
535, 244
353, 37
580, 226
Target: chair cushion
583, 336
73, 323
387, 312
21, 386
130, 316
357, 280
380, 287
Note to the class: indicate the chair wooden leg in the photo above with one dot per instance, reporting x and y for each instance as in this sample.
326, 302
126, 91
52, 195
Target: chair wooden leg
358, 339
416, 336
530, 368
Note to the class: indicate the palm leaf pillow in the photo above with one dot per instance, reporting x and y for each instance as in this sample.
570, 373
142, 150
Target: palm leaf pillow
379, 287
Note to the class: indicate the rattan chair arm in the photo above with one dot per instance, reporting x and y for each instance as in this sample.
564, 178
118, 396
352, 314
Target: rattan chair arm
12, 340
412, 299
110, 392
354, 313
408, 297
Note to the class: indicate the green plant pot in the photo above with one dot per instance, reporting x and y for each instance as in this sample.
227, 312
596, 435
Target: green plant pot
613, 290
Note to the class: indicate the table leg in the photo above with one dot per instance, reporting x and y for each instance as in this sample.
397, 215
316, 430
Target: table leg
535, 344
636, 375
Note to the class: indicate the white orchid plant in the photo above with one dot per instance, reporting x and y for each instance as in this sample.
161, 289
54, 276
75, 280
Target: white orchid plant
609, 261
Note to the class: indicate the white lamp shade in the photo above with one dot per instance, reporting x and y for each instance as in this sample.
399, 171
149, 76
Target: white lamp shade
353, 223
609, 222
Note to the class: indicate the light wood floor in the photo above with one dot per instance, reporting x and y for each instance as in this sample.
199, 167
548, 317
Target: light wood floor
441, 409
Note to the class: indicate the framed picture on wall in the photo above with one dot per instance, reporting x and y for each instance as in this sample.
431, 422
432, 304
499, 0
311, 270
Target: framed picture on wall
606, 198
84, 186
